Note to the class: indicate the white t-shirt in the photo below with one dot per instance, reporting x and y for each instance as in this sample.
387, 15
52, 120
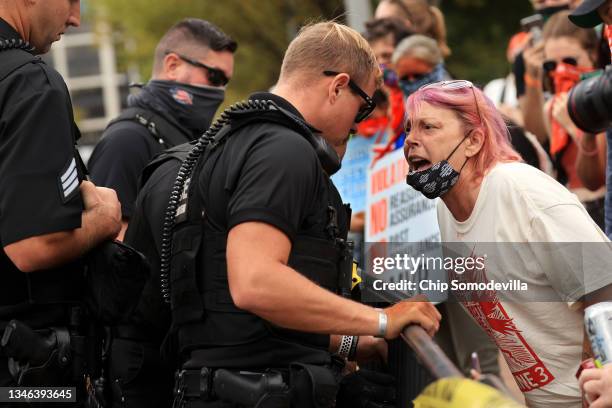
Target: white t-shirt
541, 341
502, 91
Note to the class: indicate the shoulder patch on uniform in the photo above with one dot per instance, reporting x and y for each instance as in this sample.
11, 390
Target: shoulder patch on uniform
68, 180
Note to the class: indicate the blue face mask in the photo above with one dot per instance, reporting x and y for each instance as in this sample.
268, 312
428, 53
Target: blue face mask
389, 75
409, 87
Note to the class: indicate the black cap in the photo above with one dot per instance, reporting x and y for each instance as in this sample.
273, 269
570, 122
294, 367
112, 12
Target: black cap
586, 15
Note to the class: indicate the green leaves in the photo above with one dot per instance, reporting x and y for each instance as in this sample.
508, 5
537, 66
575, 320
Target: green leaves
478, 33
263, 29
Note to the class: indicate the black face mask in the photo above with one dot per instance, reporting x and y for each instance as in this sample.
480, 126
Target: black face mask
193, 107
548, 12
438, 179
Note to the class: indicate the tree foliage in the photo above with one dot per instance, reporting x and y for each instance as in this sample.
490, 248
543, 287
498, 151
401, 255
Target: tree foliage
263, 29
478, 32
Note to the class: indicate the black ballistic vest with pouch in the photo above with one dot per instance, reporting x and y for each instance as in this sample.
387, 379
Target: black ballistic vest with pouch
206, 322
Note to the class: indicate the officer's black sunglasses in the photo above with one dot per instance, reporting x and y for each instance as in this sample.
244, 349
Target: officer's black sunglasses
215, 76
370, 105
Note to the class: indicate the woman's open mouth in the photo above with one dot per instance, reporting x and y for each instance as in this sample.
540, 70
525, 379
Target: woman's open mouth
418, 163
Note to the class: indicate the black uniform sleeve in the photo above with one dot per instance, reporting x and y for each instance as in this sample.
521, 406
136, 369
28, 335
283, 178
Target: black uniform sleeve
277, 183
38, 191
118, 160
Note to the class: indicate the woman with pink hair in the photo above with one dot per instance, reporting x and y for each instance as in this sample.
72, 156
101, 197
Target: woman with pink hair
458, 148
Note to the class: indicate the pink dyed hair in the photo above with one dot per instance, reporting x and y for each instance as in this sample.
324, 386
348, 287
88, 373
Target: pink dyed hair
496, 147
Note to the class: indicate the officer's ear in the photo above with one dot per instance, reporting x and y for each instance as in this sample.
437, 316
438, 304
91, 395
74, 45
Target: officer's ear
171, 64
337, 86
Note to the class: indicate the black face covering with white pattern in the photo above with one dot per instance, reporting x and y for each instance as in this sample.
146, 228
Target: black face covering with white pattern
438, 179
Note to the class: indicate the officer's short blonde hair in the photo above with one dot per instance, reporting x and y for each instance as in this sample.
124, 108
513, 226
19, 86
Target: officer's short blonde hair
329, 46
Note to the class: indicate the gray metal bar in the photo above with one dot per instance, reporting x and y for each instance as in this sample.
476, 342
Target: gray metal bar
429, 353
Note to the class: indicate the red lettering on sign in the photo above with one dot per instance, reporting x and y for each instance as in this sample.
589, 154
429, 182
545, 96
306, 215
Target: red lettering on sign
379, 181
399, 170
389, 176
378, 217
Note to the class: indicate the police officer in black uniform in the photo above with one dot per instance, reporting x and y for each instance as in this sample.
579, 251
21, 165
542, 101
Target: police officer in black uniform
192, 65
258, 254
49, 216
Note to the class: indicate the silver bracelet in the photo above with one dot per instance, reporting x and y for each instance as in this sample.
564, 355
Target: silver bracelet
382, 324
345, 346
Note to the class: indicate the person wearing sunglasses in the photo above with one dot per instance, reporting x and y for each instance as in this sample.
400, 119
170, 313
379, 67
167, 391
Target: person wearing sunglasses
458, 149
580, 159
273, 233
193, 63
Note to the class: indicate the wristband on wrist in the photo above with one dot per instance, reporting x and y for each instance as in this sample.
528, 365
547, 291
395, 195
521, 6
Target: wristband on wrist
346, 343
382, 324
532, 82
585, 151
353, 352
588, 153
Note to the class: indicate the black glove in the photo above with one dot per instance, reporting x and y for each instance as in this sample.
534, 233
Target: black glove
366, 389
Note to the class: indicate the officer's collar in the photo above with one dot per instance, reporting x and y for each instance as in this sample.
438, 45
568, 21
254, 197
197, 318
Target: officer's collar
285, 104
7, 32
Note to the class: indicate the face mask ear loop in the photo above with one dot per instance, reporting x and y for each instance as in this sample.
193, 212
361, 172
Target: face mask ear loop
464, 163
456, 147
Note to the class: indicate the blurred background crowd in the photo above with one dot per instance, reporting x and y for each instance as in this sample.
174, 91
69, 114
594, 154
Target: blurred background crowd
526, 56
416, 42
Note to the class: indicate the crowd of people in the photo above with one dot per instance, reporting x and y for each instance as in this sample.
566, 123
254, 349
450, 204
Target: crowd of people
249, 299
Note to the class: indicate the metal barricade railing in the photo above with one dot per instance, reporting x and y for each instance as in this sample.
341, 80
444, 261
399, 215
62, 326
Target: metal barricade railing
429, 353
418, 360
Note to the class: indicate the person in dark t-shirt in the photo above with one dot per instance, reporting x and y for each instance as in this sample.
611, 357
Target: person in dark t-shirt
49, 215
192, 65
267, 273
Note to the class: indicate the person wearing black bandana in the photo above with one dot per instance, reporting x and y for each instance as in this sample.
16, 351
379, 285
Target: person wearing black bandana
193, 63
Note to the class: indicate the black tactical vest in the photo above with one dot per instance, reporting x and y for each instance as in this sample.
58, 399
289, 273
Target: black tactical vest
204, 315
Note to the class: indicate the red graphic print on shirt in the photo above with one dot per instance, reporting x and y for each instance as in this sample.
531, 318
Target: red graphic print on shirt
528, 370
